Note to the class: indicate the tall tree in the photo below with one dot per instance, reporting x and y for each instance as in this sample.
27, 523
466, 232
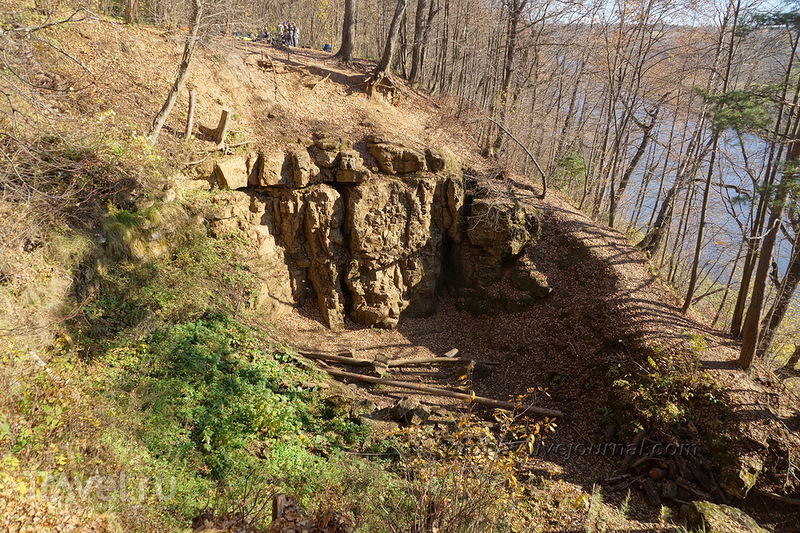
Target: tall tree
389, 48
345, 52
422, 25
751, 330
515, 8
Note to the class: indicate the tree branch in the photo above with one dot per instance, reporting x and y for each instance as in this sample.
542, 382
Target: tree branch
525, 148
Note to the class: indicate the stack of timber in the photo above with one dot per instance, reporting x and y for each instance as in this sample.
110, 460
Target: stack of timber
667, 469
381, 366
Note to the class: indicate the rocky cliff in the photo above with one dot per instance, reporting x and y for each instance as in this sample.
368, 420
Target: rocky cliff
371, 231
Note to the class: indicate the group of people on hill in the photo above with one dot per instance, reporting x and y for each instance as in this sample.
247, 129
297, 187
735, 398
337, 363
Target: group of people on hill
289, 34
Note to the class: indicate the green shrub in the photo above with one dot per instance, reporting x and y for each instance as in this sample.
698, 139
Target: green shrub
207, 388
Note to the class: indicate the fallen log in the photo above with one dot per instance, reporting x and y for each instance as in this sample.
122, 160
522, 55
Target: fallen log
652, 492
693, 489
777, 497
335, 358
624, 484
436, 360
637, 441
393, 362
441, 392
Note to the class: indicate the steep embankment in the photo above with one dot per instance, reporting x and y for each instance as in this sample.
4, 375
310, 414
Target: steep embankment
329, 213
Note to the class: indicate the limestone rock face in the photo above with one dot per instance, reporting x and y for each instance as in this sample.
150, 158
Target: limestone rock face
397, 159
396, 232
326, 150
276, 296
246, 212
499, 227
496, 230
713, 518
366, 245
454, 208
474, 267
324, 223
525, 277
351, 168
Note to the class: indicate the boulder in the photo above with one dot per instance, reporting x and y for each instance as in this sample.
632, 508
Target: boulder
409, 412
525, 277
440, 160
709, 517
377, 138
325, 151
498, 226
397, 159
235, 172
351, 168
740, 475
304, 171
275, 169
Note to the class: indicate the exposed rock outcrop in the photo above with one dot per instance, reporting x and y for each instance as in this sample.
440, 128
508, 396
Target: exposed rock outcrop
396, 234
709, 517
397, 159
371, 246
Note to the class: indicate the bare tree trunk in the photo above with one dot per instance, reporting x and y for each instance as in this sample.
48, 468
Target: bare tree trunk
686, 172
183, 70
626, 176
131, 11
345, 52
419, 31
190, 117
751, 329
792, 362
515, 9
391, 41
775, 315
733, 11
757, 226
